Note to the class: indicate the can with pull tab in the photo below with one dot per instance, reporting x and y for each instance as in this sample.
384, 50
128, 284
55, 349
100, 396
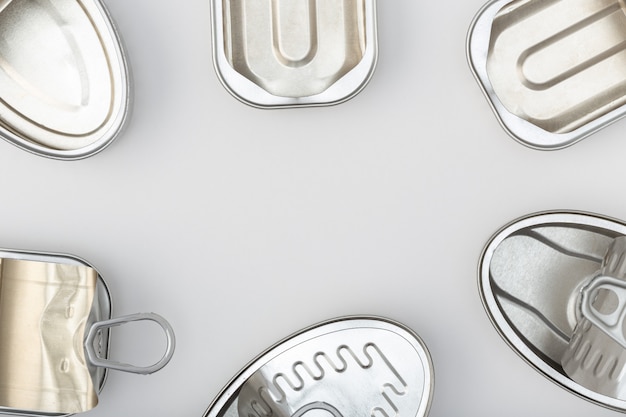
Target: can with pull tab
349, 366
55, 320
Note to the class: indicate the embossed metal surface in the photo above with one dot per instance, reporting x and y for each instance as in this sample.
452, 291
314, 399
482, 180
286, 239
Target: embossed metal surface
345, 367
272, 53
604, 305
63, 77
553, 70
534, 275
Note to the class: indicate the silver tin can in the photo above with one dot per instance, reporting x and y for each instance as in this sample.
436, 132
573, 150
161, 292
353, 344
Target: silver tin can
357, 365
64, 78
543, 282
273, 54
55, 320
553, 71
596, 354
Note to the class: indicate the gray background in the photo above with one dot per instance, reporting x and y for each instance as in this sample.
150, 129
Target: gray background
242, 226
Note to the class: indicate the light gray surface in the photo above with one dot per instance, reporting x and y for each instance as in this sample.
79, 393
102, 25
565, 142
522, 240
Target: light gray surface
241, 226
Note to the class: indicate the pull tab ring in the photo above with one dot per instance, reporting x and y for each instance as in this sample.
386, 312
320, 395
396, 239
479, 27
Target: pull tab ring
317, 406
612, 323
96, 360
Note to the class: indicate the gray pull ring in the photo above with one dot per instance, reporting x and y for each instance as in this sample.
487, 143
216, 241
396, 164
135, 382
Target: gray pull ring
96, 360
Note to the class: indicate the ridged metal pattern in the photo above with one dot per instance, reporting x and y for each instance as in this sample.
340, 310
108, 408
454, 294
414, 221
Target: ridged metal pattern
354, 366
559, 63
593, 358
284, 390
294, 49
277, 53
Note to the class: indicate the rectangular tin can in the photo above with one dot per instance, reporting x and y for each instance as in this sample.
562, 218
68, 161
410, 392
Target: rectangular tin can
273, 54
554, 71
55, 321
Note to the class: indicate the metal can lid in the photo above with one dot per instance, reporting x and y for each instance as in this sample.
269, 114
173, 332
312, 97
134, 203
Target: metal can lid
538, 66
293, 54
543, 282
357, 365
65, 83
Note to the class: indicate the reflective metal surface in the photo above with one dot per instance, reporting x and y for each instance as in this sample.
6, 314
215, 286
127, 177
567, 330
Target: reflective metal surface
55, 320
64, 85
344, 367
609, 315
100, 309
553, 285
44, 308
271, 53
553, 70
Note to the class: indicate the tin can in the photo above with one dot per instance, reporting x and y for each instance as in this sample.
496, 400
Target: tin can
359, 365
553, 71
553, 285
596, 354
64, 81
55, 320
273, 54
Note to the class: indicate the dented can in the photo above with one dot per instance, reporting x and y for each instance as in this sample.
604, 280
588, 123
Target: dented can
55, 320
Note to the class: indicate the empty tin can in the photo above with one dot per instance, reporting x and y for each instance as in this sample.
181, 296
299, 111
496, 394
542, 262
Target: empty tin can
552, 70
55, 316
271, 54
554, 286
348, 366
64, 79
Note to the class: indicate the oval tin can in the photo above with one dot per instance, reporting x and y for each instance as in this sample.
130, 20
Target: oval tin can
348, 366
554, 286
64, 78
